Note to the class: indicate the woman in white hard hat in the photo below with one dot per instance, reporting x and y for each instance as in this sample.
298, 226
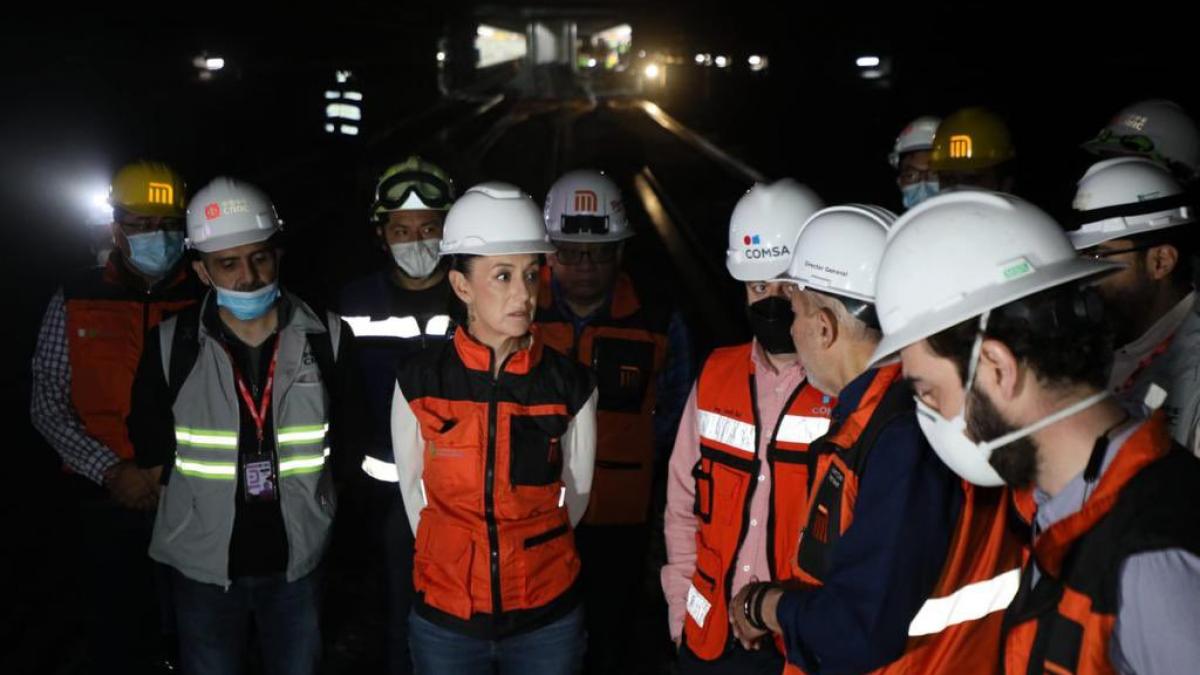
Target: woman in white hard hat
494, 438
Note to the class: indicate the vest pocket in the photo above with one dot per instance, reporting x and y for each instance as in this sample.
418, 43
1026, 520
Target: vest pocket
702, 474
535, 455
442, 565
624, 369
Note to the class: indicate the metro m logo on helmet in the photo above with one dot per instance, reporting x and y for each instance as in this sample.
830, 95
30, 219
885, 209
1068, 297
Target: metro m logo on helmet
585, 200
961, 146
160, 193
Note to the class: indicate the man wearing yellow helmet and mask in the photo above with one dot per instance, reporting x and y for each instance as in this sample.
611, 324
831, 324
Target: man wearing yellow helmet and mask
87, 353
395, 313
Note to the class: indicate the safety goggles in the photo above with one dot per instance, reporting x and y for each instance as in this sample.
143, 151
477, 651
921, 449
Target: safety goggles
1133, 142
433, 192
599, 255
584, 224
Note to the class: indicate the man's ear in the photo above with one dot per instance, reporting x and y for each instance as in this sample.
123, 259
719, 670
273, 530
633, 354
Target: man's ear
201, 272
999, 370
829, 329
461, 287
1161, 261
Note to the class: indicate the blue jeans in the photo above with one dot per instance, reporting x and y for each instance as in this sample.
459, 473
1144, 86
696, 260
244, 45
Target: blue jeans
556, 649
214, 624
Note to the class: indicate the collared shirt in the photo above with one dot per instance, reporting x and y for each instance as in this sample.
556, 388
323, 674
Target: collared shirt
888, 561
773, 389
1159, 609
1167, 355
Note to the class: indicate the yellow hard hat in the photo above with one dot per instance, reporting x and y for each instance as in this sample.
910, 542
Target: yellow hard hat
971, 139
148, 189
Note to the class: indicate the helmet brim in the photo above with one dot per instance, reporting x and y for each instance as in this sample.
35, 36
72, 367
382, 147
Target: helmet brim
229, 241
988, 298
497, 248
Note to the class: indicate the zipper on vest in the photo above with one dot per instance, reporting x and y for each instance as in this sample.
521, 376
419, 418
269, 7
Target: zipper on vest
489, 496
749, 492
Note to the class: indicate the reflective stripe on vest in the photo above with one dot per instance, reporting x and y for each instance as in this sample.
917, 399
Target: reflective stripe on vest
800, 429
973, 601
380, 470
726, 431
193, 443
402, 327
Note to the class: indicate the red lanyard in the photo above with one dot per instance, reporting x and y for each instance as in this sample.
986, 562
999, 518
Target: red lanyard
1145, 363
258, 413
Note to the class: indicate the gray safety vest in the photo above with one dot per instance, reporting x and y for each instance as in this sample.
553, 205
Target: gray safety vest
194, 524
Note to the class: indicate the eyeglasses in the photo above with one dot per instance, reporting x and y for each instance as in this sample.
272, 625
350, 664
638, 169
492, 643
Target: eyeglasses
131, 224
1101, 253
1135, 142
599, 255
433, 191
911, 175
584, 225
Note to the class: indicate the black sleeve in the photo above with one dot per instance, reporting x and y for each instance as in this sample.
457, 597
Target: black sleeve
151, 423
348, 421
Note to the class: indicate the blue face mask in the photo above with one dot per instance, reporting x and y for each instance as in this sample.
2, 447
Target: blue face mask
248, 305
918, 192
155, 253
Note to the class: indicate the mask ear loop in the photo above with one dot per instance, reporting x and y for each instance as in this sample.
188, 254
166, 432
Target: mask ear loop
973, 364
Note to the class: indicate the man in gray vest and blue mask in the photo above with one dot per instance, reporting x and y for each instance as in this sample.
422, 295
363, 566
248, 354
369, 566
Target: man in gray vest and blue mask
237, 404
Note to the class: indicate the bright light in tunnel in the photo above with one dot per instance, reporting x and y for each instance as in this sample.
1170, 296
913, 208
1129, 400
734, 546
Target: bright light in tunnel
485, 31
591, 62
344, 111
354, 95
867, 62
94, 201
331, 95
699, 59
343, 76
721, 61
441, 57
214, 63
349, 129
652, 71
755, 60
329, 127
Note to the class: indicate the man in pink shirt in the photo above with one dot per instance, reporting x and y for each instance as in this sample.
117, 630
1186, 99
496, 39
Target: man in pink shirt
737, 478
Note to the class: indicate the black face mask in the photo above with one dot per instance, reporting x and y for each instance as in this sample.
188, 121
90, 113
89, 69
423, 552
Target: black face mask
771, 323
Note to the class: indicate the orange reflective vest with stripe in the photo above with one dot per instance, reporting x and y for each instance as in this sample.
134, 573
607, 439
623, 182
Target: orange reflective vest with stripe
725, 480
495, 554
109, 314
957, 630
626, 349
1147, 499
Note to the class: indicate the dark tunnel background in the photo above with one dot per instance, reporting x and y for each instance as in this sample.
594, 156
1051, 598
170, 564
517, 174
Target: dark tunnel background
86, 91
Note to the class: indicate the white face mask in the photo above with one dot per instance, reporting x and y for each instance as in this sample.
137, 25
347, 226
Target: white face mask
418, 258
968, 458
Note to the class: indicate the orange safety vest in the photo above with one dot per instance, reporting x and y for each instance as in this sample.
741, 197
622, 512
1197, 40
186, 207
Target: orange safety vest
494, 550
626, 350
109, 314
1148, 499
726, 476
957, 630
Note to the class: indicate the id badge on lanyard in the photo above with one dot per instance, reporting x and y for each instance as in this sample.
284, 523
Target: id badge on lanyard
260, 481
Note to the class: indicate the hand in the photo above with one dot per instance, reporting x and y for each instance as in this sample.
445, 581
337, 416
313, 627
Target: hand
749, 636
130, 486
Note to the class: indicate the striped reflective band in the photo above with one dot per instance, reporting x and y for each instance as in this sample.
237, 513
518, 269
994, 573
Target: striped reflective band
971, 602
437, 325
797, 429
309, 464
215, 470
404, 327
380, 470
302, 435
206, 438
726, 430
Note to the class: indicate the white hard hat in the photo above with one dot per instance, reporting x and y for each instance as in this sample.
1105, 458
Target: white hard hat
585, 206
1158, 129
494, 219
1125, 197
764, 226
838, 250
228, 213
960, 254
918, 135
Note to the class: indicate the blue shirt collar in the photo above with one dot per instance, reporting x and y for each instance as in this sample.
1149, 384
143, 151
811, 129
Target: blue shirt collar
851, 395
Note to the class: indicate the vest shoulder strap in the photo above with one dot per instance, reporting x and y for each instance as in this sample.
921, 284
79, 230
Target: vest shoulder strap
179, 342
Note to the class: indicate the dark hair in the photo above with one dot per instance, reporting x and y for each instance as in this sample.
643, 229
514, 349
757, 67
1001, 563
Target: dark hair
1061, 333
457, 310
